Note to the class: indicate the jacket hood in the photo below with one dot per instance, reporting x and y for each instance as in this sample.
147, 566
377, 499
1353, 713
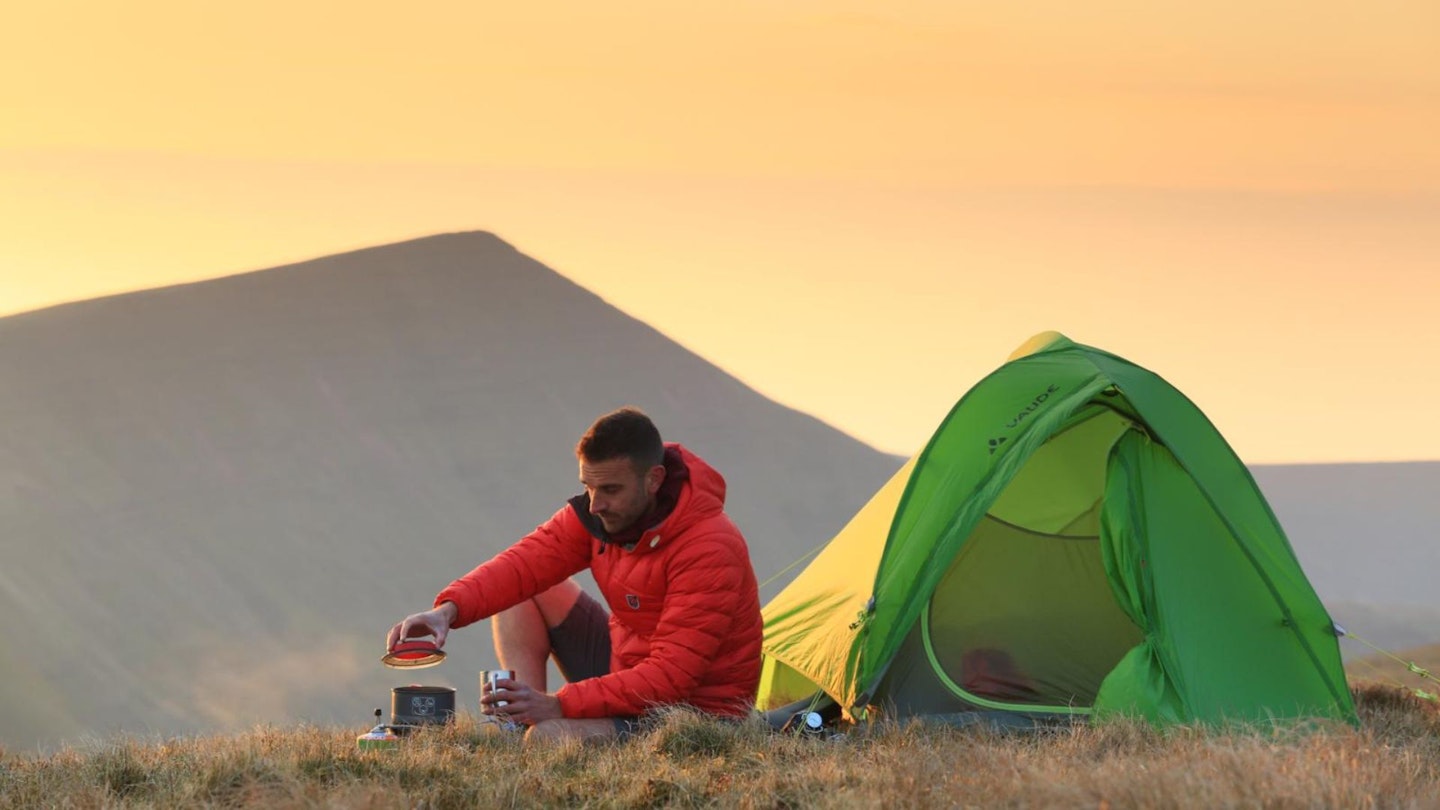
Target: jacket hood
701, 494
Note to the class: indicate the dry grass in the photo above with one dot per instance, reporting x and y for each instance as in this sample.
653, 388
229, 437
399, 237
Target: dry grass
1393, 760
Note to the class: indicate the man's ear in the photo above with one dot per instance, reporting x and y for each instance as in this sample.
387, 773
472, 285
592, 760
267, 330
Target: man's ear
654, 477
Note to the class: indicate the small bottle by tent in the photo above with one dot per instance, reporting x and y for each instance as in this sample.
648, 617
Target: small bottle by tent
1076, 538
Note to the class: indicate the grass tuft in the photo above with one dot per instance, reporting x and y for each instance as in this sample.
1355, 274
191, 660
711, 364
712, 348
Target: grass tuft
121, 771
682, 734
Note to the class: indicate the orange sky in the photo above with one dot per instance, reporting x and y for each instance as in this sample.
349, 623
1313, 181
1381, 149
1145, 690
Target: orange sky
858, 208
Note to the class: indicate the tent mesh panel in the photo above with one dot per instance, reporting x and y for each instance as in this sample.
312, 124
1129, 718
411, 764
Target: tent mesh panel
1028, 618
1025, 614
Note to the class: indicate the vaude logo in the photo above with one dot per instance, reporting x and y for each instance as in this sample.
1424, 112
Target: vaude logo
1022, 415
422, 705
1031, 408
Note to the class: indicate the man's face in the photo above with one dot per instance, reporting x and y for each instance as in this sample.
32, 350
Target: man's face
619, 494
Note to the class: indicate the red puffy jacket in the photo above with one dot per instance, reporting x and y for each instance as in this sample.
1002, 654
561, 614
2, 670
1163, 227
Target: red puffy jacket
685, 621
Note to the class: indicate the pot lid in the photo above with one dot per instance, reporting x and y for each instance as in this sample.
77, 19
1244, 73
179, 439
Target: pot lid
413, 654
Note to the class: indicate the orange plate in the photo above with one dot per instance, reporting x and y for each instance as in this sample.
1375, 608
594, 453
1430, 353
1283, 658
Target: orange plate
413, 654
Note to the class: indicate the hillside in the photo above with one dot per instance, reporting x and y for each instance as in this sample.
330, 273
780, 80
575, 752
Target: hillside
1361, 529
219, 496
1365, 534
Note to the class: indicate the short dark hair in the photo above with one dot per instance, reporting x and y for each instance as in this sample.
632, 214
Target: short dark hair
626, 433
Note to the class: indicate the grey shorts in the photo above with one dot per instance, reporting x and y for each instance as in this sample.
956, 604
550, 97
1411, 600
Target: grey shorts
580, 645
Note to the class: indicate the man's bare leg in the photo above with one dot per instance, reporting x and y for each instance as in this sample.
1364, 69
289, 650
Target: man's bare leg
522, 633
588, 730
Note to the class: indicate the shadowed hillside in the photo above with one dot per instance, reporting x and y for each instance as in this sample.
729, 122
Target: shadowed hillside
1366, 535
1354, 551
217, 497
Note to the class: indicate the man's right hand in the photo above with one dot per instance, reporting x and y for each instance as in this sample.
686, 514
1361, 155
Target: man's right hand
434, 622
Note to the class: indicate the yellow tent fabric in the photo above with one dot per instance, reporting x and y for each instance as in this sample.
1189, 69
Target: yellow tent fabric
822, 604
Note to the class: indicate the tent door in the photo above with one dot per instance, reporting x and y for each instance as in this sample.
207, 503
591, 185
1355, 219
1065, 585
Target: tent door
1025, 616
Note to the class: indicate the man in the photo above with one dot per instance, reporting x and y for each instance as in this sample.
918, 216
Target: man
684, 624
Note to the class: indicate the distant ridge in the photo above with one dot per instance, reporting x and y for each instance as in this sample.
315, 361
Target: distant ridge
1368, 536
1354, 551
219, 495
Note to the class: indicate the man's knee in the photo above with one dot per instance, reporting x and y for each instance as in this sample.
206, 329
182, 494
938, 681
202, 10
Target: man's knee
556, 603
519, 621
549, 606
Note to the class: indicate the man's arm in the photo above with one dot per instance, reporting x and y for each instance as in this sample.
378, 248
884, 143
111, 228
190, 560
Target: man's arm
555, 551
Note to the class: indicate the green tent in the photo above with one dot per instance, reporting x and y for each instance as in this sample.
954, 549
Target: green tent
1075, 538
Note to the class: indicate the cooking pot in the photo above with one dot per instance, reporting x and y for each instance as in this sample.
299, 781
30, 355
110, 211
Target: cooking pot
415, 705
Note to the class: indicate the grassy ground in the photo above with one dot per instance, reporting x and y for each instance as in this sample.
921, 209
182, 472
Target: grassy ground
1392, 760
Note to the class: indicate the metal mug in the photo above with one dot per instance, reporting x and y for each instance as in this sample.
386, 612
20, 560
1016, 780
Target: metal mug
488, 677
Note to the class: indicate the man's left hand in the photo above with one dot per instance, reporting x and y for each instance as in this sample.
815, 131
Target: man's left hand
523, 704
